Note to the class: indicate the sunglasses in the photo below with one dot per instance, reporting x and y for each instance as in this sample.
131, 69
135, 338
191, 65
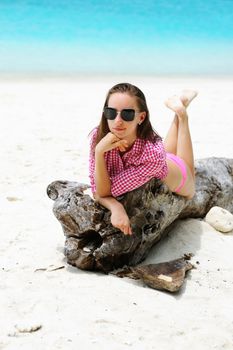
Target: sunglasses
126, 114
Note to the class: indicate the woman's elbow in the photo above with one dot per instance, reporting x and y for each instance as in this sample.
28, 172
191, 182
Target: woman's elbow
98, 195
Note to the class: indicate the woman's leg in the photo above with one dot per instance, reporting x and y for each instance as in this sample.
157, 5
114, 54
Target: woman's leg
179, 133
178, 142
171, 139
170, 142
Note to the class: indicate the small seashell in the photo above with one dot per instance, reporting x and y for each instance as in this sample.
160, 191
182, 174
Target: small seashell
28, 328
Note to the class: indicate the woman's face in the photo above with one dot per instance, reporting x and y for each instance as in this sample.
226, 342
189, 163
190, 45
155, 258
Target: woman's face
119, 127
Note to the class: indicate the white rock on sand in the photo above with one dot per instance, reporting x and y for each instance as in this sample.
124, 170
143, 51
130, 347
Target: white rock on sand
221, 219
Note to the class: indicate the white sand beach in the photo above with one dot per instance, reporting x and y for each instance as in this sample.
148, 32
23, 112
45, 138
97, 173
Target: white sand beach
44, 137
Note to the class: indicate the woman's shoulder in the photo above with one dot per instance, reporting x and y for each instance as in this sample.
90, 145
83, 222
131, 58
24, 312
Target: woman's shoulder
93, 133
92, 137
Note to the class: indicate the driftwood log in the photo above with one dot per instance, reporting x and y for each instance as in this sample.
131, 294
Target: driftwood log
168, 275
92, 243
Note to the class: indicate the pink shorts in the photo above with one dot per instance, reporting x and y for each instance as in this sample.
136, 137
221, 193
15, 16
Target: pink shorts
181, 164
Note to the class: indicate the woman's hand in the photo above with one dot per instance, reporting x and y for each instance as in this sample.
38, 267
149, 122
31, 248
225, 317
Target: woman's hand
111, 141
120, 220
119, 217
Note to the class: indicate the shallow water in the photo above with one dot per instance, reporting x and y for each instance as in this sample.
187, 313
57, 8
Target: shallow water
117, 36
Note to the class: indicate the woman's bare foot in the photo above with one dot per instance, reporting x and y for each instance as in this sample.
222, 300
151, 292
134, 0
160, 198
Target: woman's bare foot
187, 96
176, 105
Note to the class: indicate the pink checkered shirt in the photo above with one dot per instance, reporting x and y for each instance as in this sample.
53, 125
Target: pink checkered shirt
134, 168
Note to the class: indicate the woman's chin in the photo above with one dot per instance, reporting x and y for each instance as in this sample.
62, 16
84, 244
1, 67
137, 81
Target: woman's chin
118, 132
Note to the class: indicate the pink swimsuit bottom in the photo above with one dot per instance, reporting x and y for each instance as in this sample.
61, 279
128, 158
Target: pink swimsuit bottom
181, 164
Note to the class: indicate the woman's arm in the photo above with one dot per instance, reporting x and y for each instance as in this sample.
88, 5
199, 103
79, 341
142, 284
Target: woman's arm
102, 180
119, 217
102, 185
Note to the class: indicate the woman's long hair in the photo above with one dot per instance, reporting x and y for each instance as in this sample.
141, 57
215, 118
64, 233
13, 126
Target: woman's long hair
145, 130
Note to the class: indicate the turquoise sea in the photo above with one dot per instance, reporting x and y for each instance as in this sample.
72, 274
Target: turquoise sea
117, 36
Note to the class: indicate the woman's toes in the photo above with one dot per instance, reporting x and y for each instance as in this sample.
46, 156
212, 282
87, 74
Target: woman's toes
175, 104
187, 96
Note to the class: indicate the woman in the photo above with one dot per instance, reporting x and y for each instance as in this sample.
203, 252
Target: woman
126, 152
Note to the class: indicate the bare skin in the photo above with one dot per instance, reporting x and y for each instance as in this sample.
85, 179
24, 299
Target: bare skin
122, 136
187, 96
119, 217
178, 141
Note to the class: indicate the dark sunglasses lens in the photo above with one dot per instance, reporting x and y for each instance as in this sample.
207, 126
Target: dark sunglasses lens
128, 114
110, 113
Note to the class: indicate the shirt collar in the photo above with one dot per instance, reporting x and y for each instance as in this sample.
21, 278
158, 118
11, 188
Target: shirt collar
136, 148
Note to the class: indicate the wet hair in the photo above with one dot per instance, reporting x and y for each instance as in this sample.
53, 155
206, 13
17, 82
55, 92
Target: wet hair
144, 130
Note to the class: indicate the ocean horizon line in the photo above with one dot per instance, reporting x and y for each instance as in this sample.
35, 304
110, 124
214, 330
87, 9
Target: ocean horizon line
37, 75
